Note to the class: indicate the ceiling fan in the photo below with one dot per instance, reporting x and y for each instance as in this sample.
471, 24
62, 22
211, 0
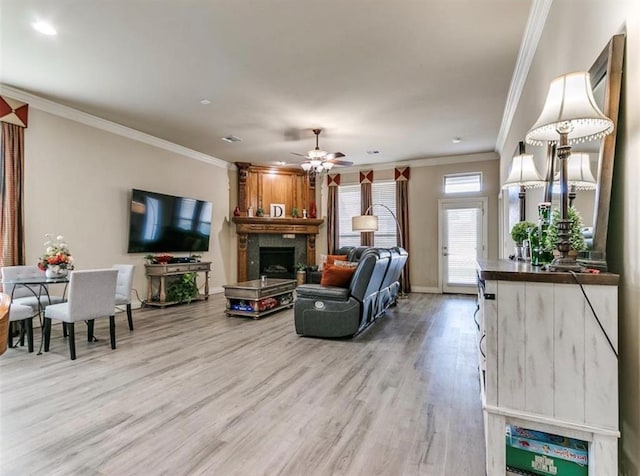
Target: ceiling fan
318, 160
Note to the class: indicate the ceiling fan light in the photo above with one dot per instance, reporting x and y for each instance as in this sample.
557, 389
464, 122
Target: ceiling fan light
316, 153
327, 165
306, 166
315, 162
319, 168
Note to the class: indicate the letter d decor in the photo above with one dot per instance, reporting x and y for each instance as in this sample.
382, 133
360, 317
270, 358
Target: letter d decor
277, 210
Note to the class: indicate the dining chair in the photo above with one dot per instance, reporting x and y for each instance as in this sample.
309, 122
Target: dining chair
123, 288
32, 295
12, 312
92, 294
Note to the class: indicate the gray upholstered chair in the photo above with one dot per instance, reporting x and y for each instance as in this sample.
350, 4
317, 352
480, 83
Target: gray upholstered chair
123, 288
92, 294
34, 296
15, 313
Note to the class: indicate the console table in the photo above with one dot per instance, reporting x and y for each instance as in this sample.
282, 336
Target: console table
157, 275
545, 363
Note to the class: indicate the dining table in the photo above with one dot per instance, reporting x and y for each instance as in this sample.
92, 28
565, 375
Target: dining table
38, 286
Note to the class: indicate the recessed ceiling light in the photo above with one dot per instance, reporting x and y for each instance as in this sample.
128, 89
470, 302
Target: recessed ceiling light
456, 140
205, 101
231, 139
44, 28
280, 162
373, 152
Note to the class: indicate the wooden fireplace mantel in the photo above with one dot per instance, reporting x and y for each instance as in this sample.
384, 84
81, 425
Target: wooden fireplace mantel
298, 226
257, 225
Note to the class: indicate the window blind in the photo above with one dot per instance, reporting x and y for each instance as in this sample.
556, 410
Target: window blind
461, 183
462, 241
385, 193
348, 206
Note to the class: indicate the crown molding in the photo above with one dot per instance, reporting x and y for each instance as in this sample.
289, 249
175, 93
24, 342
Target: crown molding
426, 162
76, 115
532, 33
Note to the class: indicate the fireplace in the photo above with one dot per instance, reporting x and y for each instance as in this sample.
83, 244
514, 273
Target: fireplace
277, 262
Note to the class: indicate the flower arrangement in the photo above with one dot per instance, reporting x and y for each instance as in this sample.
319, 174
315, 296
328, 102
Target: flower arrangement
56, 256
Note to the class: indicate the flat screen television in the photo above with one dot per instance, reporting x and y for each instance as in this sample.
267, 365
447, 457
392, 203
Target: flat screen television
160, 223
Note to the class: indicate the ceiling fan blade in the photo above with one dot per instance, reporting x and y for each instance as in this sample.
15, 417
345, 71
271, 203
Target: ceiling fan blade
300, 155
334, 155
343, 163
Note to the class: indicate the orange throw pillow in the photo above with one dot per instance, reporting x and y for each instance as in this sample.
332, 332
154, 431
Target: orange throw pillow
332, 258
337, 276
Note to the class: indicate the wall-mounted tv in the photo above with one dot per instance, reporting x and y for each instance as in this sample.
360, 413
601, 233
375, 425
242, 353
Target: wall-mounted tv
166, 223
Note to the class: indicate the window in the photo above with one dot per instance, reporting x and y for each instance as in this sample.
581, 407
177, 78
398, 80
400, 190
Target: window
462, 183
385, 193
349, 206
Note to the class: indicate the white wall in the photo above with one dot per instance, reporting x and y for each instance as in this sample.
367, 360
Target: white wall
575, 33
78, 181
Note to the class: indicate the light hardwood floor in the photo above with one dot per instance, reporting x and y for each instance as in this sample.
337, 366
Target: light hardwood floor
192, 391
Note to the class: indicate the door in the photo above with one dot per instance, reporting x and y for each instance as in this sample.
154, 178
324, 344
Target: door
463, 236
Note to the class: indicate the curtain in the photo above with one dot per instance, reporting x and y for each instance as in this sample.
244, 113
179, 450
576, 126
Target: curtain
333, 229
402, 213
11, 195
366, 200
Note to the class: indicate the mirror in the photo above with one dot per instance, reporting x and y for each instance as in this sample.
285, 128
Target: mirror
593, 205
606, 80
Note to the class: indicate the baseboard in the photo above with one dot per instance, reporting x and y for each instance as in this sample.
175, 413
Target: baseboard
425, 290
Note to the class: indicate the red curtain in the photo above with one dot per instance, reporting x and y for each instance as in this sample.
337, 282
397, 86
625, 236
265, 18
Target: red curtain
333, 230
402, 212
12, 195
366, 200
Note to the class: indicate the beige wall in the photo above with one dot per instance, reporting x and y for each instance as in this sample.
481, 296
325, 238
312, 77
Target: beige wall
425, 188
574, 35
78, 181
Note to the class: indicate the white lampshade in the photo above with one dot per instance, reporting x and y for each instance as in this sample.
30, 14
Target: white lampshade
306, 166
315, 162
579, 172
523, 173
327, 165
570, 107
364, 223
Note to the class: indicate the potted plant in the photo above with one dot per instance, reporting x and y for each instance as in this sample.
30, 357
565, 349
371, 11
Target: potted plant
260, 212
301, 273
150, 259
520, 233
56, 260
183, 288
576, 238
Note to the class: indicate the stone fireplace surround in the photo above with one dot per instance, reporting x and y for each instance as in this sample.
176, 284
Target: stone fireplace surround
254, 232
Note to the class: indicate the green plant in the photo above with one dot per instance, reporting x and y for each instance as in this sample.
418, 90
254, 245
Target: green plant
575, 231
520, 231
260, 212
183, 288
301, 267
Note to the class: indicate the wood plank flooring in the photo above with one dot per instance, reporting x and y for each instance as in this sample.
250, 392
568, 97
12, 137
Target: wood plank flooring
191, 391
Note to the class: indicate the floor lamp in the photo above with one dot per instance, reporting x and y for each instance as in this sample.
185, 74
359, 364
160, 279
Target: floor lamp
369, 223
570, 116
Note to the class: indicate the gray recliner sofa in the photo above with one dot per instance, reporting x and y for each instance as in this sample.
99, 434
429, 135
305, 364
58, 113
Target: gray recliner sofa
322, 311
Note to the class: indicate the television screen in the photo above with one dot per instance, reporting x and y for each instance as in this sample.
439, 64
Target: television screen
164, 223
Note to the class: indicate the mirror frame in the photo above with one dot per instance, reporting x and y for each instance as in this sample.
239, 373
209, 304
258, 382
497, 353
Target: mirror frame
607, 68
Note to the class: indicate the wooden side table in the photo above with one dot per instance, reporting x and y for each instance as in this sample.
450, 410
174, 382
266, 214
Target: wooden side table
157, 275
258, 298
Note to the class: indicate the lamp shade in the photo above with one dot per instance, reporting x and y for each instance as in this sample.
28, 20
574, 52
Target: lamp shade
364, 223
523, 173
579, 172
571, 108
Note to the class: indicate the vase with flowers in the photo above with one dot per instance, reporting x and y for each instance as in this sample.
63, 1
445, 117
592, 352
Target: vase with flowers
56, 261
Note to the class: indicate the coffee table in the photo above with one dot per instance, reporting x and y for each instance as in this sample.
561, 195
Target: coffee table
259, 297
